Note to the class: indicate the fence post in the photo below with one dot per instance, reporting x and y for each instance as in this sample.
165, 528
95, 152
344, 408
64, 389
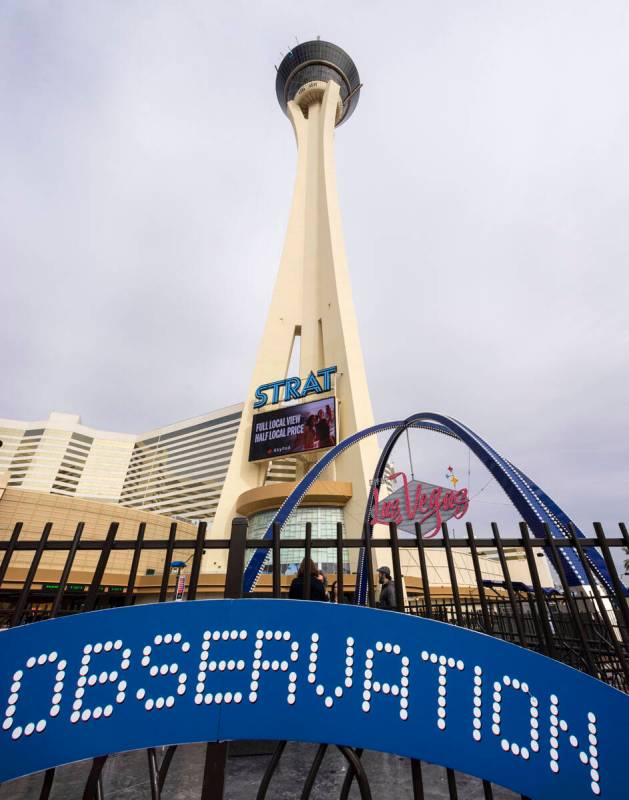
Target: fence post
586, 653
539, 593
307, 559
424, 569
163, 591
137, 552
216, 752
478, 574
339, 563
90, 600
619, 589
236, 558
9, 551
196, 561
505, 571
397, 569
452, 570
66, 569
603, 612
277, 566
371, 595
28, 581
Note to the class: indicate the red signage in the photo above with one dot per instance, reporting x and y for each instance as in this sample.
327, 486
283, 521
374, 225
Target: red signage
181, 587
430, 504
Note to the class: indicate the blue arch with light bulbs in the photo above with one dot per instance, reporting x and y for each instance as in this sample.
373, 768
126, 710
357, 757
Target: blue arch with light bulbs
536, 507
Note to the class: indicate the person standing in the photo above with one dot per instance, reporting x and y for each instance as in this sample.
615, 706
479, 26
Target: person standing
310, 433
323, 430
317, 587
334, 594
388, 600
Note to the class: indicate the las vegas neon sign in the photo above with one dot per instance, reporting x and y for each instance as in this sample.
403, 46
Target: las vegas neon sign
430, 503
294, 388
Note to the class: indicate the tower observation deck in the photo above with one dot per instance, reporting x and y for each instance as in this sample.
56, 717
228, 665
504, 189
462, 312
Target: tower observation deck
305, 72
311, 320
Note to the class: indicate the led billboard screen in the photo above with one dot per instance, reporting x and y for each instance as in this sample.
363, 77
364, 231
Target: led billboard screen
293, 429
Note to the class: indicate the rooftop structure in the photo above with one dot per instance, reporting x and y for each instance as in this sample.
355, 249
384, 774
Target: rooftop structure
305, 72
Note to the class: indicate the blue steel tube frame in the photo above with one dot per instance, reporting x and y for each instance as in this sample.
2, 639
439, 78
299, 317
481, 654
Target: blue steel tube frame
535, 506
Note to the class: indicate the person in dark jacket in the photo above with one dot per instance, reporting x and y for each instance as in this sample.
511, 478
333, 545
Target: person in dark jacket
317, 588
388, 599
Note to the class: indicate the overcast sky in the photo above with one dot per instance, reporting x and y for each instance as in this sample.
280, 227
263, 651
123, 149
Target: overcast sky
146, 173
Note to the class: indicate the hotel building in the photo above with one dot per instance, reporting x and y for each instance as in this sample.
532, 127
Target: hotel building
177, 470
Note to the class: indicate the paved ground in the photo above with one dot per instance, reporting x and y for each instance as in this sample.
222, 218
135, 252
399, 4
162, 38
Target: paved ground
126, 778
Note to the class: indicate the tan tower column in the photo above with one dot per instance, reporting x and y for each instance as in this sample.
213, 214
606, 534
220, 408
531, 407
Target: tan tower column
312, 298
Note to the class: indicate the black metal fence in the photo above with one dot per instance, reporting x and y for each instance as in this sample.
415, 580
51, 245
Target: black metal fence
585, 627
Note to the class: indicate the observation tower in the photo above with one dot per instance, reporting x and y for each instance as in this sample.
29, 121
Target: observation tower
311, 320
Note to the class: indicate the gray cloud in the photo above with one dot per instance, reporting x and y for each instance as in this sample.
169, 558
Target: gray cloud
147, 175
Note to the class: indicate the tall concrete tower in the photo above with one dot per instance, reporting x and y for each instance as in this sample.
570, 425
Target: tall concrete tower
312, 309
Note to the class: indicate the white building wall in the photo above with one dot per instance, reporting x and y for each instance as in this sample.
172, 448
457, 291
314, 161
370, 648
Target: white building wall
178, 470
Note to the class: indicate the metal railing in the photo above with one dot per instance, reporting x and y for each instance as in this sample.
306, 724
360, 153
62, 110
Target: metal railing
585, 627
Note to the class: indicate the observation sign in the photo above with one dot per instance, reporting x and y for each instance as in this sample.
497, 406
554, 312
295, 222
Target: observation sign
170, 673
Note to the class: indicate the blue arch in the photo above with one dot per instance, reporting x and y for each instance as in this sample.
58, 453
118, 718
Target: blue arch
535, 506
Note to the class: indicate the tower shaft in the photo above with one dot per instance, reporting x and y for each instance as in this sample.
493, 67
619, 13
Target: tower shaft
311, 299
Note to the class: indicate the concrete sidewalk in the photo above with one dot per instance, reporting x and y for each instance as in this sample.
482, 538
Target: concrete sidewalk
125, 777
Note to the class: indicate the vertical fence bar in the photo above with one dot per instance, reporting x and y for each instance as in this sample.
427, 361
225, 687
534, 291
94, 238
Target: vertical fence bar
453, 580
452, 783
66, 569
9, 551
277, 565
26, 588
214, 771
216, 752
619, 589
307, 560
92, 787
163, 590
49, 777
416, 778
196, 561
313, 771
574, 611
604, 613
339, 563
92, 593
137, 551
236, 558
153, 774
478, 574
397, 569
512, 598
371, 595
162, 772
540, 599
624, 533
165, 765
421, 552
